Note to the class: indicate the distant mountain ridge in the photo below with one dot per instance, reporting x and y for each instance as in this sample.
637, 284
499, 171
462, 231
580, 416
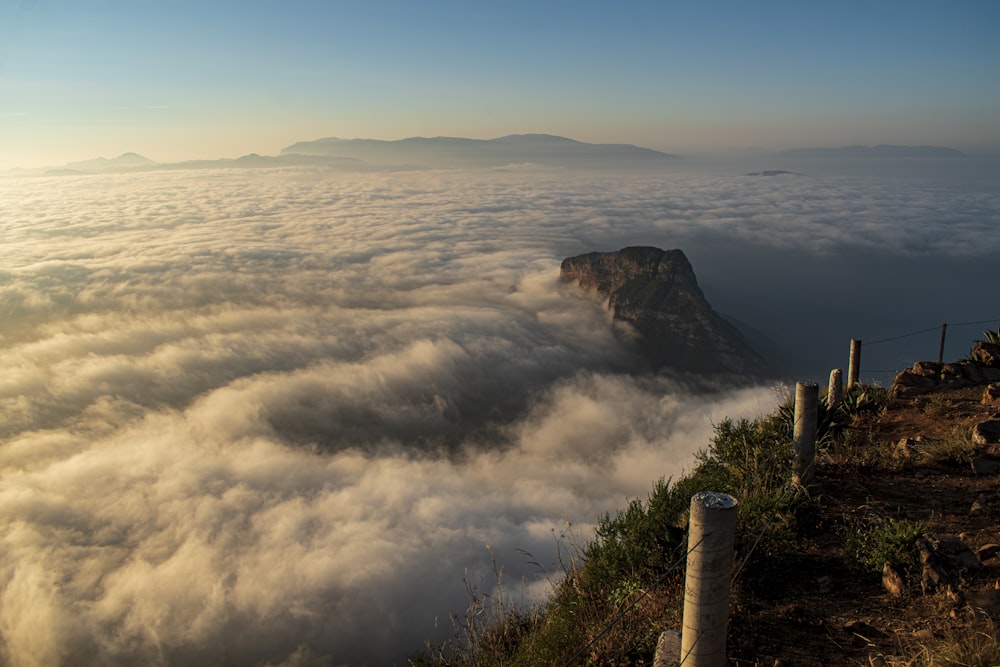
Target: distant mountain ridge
545, 149
411, 153
880, 151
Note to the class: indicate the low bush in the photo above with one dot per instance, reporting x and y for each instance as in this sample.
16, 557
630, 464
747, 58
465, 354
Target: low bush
876, 540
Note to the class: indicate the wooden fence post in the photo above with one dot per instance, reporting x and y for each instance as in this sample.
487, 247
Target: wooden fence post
854, 368
711, 536
804, 438
944, 329
835, 392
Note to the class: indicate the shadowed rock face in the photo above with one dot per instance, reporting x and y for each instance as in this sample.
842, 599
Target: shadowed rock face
657, 293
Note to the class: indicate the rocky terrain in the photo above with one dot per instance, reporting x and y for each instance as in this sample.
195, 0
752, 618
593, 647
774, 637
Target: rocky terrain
656, 294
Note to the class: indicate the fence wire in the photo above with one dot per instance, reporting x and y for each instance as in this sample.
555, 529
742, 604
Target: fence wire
929, 329
621, 614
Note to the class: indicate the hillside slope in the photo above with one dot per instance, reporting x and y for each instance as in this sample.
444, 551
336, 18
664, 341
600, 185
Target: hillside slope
917, 466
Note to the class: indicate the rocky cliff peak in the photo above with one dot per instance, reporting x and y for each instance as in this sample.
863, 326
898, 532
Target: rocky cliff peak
656, 292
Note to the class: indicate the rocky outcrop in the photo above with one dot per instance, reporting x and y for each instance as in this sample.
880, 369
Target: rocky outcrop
927, 376
656, 292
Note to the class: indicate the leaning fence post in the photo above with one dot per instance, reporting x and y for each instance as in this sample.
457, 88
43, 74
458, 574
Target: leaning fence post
944, 330
804, 434
711, 537
854, 368
835, 392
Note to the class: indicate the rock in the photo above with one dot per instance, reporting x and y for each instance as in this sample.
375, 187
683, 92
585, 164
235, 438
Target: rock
953, 552
892, 582
656, 292
668, 649
988, 551
915, 381
863, 629
992, 393
905, 449
986, 433
977, 509
926, 376
986, 354
985, 465
930, 578
987, 600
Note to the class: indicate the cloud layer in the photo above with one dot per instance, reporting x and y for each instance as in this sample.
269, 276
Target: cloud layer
260, 416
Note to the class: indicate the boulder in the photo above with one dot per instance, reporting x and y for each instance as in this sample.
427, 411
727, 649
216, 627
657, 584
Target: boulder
986, 433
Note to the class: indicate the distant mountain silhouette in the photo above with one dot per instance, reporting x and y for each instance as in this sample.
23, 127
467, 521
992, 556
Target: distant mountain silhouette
125, 161
437, 152
412, 153
881, 151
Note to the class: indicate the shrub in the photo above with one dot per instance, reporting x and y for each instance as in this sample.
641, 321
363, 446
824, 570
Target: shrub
957, 447
874, 541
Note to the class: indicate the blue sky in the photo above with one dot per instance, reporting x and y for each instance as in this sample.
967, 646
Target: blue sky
183, 79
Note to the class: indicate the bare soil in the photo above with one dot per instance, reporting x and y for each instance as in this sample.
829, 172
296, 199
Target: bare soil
810, 605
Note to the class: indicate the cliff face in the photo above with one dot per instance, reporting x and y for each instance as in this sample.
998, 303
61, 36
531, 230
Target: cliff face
657, 293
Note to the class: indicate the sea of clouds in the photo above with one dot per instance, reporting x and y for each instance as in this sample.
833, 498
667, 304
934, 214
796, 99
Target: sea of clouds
274, 416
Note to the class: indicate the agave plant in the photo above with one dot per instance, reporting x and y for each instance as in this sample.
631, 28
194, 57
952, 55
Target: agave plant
857, 401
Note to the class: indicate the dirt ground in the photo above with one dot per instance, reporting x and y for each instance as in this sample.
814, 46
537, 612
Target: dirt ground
810, 607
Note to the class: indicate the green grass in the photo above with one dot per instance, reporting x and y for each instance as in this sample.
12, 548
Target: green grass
875, 541
957, 447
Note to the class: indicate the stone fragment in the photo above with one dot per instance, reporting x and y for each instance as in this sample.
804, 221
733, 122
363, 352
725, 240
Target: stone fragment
892, 582
953, 552
987, 600
668, 649
988, 551
986, 465
952, 374
930, 578
905, 449
863, 629
986, 433
992, 393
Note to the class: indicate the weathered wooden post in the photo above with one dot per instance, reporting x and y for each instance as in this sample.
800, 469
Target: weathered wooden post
944, 330
835, 392
804, 432
711, 536
854, 368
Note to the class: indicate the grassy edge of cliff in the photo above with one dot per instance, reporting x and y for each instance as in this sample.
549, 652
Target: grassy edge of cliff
810, 563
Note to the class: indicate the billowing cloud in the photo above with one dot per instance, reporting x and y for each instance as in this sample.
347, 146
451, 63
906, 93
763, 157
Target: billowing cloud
274, 415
